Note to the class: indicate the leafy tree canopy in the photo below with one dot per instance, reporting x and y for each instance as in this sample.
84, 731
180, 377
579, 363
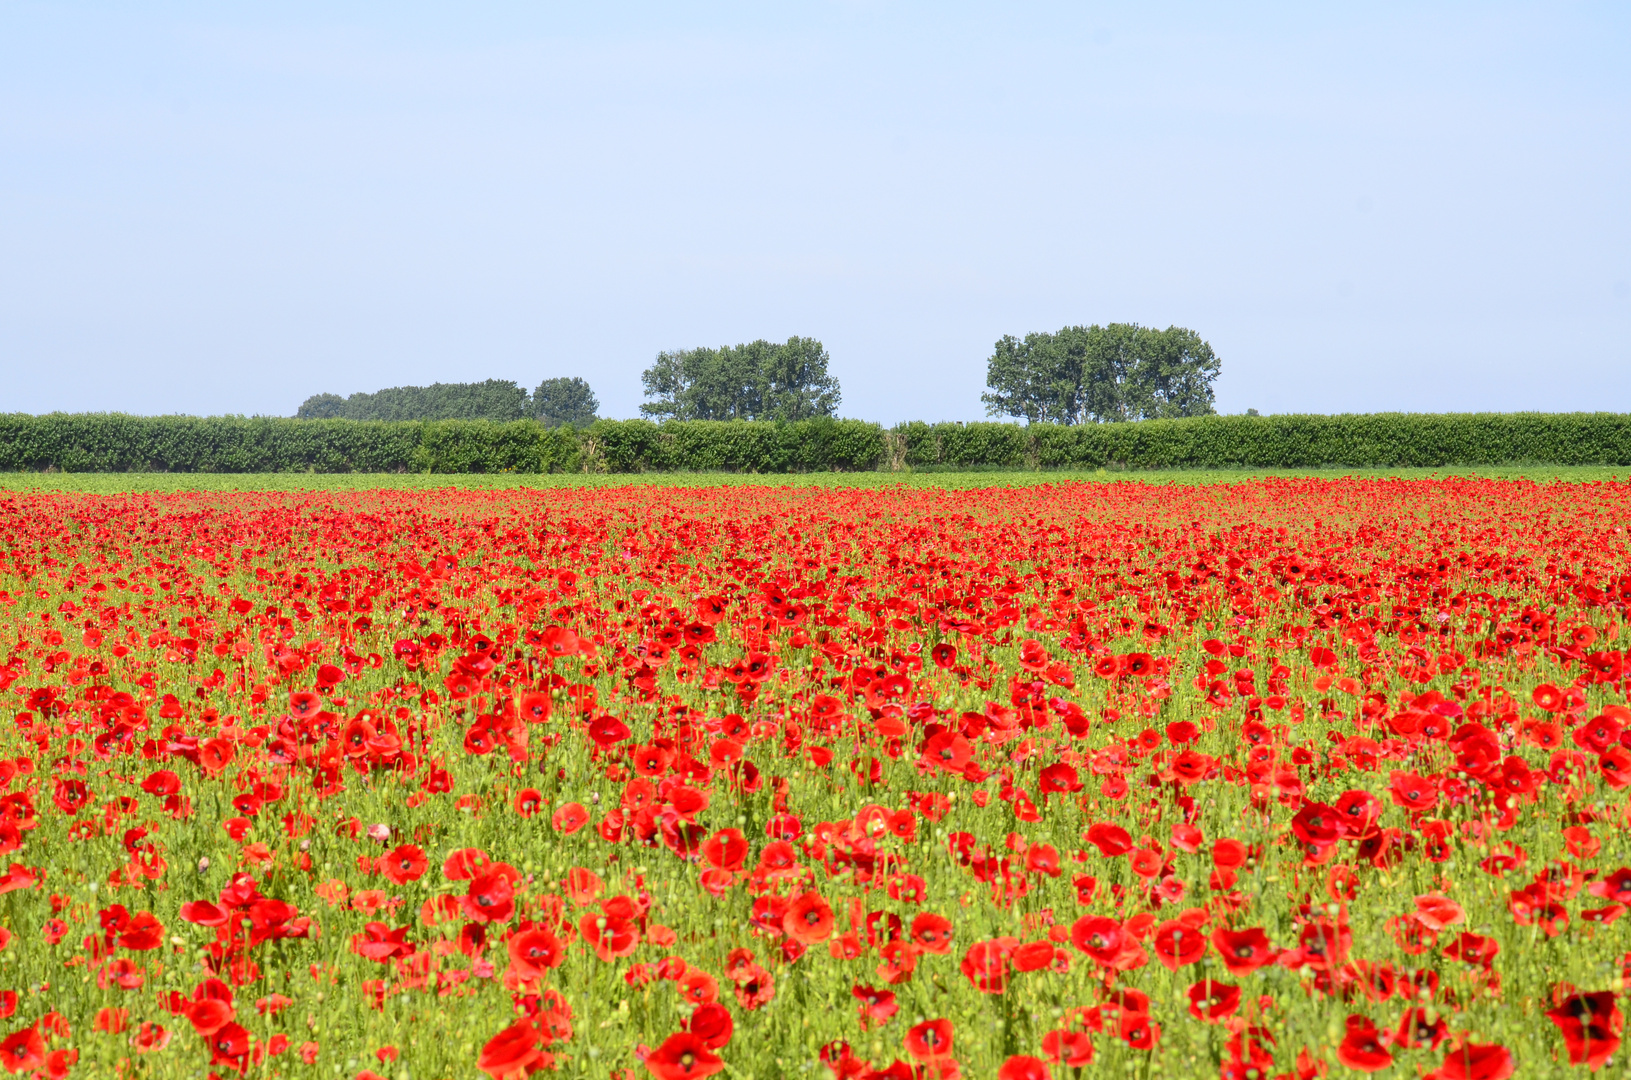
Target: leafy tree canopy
1122, 371
757, 381
559, 402
492, 399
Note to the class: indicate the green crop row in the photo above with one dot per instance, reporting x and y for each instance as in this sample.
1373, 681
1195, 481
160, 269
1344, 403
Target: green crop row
113, 442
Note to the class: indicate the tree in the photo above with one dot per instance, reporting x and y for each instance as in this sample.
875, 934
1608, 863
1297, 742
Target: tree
564, 401
1122, 371
321, 407
492, 399
757, 381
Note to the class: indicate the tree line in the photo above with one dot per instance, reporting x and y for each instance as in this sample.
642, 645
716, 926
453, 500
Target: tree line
556, 402
1076, 375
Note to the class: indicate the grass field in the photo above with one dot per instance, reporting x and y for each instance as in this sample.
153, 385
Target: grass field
117, 483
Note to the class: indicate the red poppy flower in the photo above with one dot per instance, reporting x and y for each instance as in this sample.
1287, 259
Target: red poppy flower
569, 818
985, 966
403, 864
808, 919
683, 1056
877, 1006
491, 898
1590, 1025
210, 1015
948, 751
1072, 1048
726, 849
1033, 956
534, 951
1098, 937
143, 932
1111, 840
23, 1051
1177, 944
1212, 1001
228, 1044
1021, 1067
528, 801
1412, 792
1363, 1048
509, 1054
608, 935
465, 863
1242, 951
533, 707
930, 1041
931, 933
608, 730
1475, 1061
712, 1024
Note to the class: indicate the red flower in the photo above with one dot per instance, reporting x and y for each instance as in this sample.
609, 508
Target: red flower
1590, 1025
1073, 1048
931, 933
1212, 1001
23, 1051
404, 864
1111, 840
930, 1041
528, 801
1475, 1061
1098, 937
683, 1056
877, 1006
985, 965
143, 932
1363, 1048
808, 919
534, 951
608, 935
570, 818
1412, 792
1177, 944
228, 1044
1020, 1067
510, 1052
712, 1024
1242, 951
491, 897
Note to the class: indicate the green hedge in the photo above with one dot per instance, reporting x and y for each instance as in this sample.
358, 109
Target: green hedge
112, 442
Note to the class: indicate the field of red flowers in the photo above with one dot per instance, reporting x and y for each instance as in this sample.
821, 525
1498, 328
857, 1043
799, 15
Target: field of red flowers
1276, 779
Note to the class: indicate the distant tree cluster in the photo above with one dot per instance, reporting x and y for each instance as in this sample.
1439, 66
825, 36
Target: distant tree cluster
757, 381
1084, 374
554, 402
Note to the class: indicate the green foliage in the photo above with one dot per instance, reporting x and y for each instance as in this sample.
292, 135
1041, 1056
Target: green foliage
1101, 373
493, 399
757, 381
112, 442
322, 407
564, 401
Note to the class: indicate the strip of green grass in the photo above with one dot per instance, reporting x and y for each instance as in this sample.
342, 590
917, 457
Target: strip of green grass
120, 483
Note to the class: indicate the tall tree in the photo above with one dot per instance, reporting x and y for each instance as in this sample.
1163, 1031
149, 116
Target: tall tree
1083, 374
321, 407
557, 402
757, 381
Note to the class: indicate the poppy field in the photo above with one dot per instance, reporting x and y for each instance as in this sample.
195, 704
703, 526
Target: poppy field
1284, 778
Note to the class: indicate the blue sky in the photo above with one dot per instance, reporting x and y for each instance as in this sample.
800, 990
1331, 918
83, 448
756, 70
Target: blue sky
226, 208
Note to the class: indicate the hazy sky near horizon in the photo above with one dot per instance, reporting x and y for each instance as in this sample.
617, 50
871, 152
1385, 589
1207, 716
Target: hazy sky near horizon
212, 208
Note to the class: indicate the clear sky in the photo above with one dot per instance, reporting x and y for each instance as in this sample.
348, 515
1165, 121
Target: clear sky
224, 208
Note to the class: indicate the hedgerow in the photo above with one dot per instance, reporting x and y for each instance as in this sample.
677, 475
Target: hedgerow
114, 442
